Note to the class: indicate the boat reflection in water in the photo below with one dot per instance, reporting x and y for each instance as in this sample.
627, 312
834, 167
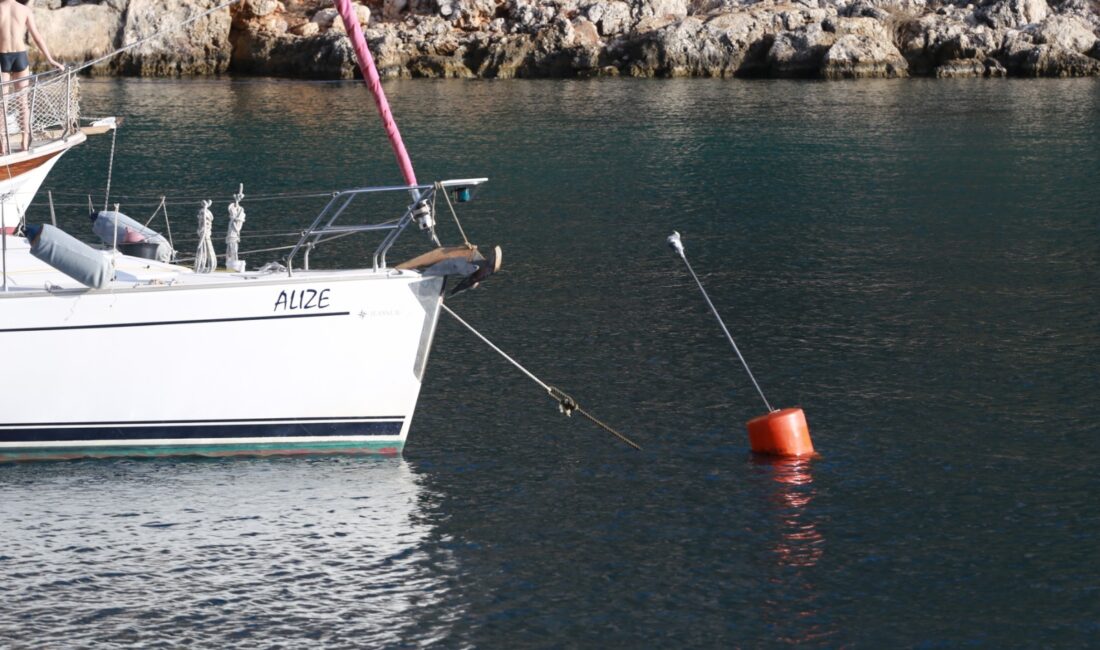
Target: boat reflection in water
329, 549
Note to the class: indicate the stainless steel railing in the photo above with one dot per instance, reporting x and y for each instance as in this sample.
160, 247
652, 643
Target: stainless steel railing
325, 223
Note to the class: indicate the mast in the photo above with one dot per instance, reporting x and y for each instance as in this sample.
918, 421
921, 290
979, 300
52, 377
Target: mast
370, 77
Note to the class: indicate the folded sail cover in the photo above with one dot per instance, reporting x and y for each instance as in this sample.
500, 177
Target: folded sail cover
71, 256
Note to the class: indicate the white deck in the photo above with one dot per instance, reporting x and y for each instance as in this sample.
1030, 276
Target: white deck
27, 275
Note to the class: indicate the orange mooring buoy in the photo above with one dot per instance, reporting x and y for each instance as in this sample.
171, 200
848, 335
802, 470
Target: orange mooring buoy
781, 433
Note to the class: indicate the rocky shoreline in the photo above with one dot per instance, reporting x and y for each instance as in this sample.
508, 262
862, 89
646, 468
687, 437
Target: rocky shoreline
827, 39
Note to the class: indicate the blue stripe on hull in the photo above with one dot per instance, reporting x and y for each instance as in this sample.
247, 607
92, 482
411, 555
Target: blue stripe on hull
170, 431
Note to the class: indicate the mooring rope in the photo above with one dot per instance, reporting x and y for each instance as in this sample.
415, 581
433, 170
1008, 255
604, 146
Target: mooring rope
566, 404
678, 247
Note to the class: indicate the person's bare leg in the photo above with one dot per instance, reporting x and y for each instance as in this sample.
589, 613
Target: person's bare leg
24, 107
4, 78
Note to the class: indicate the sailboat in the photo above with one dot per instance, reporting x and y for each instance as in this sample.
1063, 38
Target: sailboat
340, 353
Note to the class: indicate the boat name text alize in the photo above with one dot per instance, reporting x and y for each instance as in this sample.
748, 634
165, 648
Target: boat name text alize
302, 299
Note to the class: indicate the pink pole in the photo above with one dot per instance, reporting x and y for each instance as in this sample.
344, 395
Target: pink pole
370, 77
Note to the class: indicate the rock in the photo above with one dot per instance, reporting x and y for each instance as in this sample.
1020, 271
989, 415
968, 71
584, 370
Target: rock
712, 7
306, 29
529, 16
336, 23
585, 33
961, 69
98, 25
868, 9
260, 16
324, 56
746, 39
857, 57
964, 68
799, 53
1066, 32
506, 57
934, 39
326, 18
468, 14
653, 23
662, 8
391, 9
439, 67
794, 19
561, 38
1055, 61
203, 48
391, 55
993, 68
1086, 10
724, 46
362, 15
611, 18
554, 52
955, 47
1013, 13
261, 8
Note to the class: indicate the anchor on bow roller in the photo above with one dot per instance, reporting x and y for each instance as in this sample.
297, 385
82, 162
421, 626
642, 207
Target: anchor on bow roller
466, 262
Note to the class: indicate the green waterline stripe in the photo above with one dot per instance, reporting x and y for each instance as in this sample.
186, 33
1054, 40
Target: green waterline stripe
364, 447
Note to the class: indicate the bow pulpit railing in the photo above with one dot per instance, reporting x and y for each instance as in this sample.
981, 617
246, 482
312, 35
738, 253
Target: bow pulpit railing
46, 105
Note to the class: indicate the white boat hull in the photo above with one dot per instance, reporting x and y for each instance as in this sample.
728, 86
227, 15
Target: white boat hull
24, 173
317, 362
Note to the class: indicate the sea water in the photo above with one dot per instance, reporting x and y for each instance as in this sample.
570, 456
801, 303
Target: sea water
915, 263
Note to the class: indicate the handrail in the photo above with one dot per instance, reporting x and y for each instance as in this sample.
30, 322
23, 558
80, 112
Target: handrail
52, 72
338, 204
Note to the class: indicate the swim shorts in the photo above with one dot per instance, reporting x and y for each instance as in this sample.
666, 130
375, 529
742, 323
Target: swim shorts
13, 61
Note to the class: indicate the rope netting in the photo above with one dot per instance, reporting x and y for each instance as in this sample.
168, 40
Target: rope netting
50, 103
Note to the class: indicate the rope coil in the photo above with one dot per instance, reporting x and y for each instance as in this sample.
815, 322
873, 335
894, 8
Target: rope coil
206, 260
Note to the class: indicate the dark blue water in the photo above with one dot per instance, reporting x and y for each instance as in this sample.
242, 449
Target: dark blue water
916, 263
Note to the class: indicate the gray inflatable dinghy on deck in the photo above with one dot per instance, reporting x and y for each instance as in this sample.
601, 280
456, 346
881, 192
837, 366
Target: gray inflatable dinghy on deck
104, 226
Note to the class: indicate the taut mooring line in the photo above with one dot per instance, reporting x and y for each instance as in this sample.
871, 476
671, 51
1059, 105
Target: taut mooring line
677, 246
566, 404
